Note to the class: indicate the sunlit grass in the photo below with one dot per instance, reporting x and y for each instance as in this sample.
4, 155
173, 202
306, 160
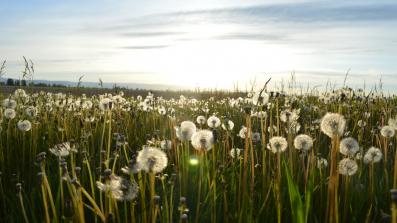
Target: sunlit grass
91, 158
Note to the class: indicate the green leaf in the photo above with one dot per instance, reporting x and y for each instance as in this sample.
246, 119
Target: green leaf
295, 199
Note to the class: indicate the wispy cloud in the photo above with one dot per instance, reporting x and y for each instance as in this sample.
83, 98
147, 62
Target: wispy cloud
150, 34
311, 36
144, 47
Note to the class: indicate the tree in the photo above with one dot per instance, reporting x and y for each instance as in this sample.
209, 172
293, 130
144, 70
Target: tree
10, 82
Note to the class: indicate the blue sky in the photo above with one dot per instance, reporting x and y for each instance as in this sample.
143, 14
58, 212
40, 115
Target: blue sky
202, 43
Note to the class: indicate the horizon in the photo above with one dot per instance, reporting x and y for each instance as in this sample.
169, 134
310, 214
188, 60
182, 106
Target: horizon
203, 44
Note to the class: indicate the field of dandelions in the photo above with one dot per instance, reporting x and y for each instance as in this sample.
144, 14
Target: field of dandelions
265, 157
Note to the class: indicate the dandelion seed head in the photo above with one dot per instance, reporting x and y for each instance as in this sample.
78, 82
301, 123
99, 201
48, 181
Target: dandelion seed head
152, 159
260, 98
201, 120
166, 144
185, 131
106, 104
322, 163
289, 116
333, 124
62, 149
24, 125
228, 125
256, 137
119, 188
392, 123
387, 131
9, 103
303, 142
235, 153
347, 167
9, 113
278, 144
31, 111
203, 140
20, 93
373, 155
349, 147
213, 122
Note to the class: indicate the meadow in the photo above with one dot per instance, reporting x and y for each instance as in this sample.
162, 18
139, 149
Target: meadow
263, 156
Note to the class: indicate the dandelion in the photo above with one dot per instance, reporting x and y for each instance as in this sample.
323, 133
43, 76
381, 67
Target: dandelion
31, 111
213, 122
322, 163
392, 123
228, 125
278, 144
162, 110
86, 104
256, 137
62, 149
260, 98
20, 93
243, 133
349, 146
261, 114
9, 113
333, 124
203, 140
24, 125
105, 104
151, 159
119, 188
201, 120
185, 131
347, 167
303, 142
373, 155
235, 153
166, 144
288, 116
9, 103
387, 131
361, 123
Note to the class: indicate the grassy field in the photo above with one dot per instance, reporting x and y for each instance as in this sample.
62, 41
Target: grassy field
88, 156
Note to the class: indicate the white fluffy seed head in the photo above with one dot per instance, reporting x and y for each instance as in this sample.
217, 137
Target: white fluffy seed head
185, 131
201, 120
213, 122
373, 155
333, 124
260, 98
387, 131
151, 159
322, 163
349, 147
166, 144
347, 167
244, 132
119, 188
24, 125
9, 103
228, 125
303, 142
235, 153
62, 149
203, 140
9, 113
278, 144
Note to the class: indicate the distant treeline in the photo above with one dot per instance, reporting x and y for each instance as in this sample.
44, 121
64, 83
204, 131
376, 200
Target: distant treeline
24, 83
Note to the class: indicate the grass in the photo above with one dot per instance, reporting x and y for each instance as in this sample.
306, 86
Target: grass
257, 186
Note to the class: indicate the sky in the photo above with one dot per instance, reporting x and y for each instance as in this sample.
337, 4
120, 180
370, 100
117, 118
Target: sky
204, 43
